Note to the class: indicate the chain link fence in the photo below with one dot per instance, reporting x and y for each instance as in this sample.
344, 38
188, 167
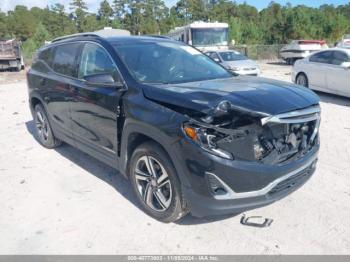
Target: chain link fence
260, 52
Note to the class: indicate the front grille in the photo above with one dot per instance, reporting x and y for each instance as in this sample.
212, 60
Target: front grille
293, 181
288, 136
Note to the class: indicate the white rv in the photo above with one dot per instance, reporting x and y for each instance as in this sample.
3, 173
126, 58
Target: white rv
202, 35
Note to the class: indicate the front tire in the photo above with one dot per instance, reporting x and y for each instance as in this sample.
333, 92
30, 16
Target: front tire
43, 128
302, 80
155, 183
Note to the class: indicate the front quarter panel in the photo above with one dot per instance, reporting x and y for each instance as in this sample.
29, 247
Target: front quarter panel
157, 122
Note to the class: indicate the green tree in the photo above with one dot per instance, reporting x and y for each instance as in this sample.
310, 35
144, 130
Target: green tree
35, 42
79, 8
90, 23
21, 23
3, 24
119, 8
105, 13
64, 24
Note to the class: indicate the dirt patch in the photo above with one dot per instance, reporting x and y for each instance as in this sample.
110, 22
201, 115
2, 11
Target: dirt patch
7, 76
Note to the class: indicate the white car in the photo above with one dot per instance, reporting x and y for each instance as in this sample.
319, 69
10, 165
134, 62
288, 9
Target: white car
327, 71
235, 62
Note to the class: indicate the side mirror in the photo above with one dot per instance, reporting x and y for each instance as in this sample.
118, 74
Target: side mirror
216, 60
345, 65
103, 79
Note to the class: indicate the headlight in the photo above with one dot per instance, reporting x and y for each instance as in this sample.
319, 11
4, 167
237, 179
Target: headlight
205, 138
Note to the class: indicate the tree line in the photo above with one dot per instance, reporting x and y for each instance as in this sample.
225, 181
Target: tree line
275, 24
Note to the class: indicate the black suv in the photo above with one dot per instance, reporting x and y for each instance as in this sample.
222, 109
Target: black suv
189, 134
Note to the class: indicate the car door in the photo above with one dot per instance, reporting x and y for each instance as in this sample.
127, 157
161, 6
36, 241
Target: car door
58, 93
95, 109
316, 70
338, 78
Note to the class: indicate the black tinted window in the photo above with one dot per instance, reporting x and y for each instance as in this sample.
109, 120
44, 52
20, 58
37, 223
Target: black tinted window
47, 56
322, 57
95, 60
65, 59
40, 66
339, 57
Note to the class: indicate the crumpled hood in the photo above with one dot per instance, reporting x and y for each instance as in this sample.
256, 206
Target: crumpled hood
251, 93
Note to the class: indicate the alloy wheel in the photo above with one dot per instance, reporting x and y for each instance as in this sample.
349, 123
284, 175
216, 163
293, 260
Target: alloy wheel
42, 126
302, 80
153, 183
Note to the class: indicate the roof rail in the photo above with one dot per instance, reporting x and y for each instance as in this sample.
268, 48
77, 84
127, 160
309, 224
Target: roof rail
73, 35
104, 33
159, 36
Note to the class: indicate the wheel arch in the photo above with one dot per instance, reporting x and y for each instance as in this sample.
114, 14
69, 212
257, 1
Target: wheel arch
33, 101
136, 134
301, 73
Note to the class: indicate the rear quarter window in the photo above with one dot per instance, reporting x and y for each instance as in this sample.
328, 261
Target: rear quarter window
46, 56
65, 59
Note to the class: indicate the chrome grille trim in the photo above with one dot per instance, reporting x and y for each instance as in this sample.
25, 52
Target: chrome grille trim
294, 117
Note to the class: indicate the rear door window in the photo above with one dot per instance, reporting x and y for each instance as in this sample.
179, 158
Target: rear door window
322, 57
65, 59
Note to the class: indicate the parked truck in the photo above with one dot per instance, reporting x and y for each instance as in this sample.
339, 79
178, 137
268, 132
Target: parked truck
10, 54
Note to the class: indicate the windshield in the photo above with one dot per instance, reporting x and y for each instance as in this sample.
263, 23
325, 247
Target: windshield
209, 36
166, 62
232, 56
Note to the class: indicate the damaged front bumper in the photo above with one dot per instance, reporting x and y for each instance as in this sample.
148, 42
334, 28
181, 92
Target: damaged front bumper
246, 178
248, 185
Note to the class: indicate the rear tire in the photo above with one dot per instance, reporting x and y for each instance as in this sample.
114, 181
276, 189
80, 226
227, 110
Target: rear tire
156, 184
302, 80
43, 128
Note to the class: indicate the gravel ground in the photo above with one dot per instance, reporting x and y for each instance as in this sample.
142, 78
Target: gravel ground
65, 202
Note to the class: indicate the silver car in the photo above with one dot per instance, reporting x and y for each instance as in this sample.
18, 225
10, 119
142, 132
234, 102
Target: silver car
235, 62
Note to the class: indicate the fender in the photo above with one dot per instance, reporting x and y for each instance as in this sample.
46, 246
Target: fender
133, 126
35, 94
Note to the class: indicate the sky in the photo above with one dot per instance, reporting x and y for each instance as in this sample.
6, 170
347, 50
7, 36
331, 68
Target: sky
6, 5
